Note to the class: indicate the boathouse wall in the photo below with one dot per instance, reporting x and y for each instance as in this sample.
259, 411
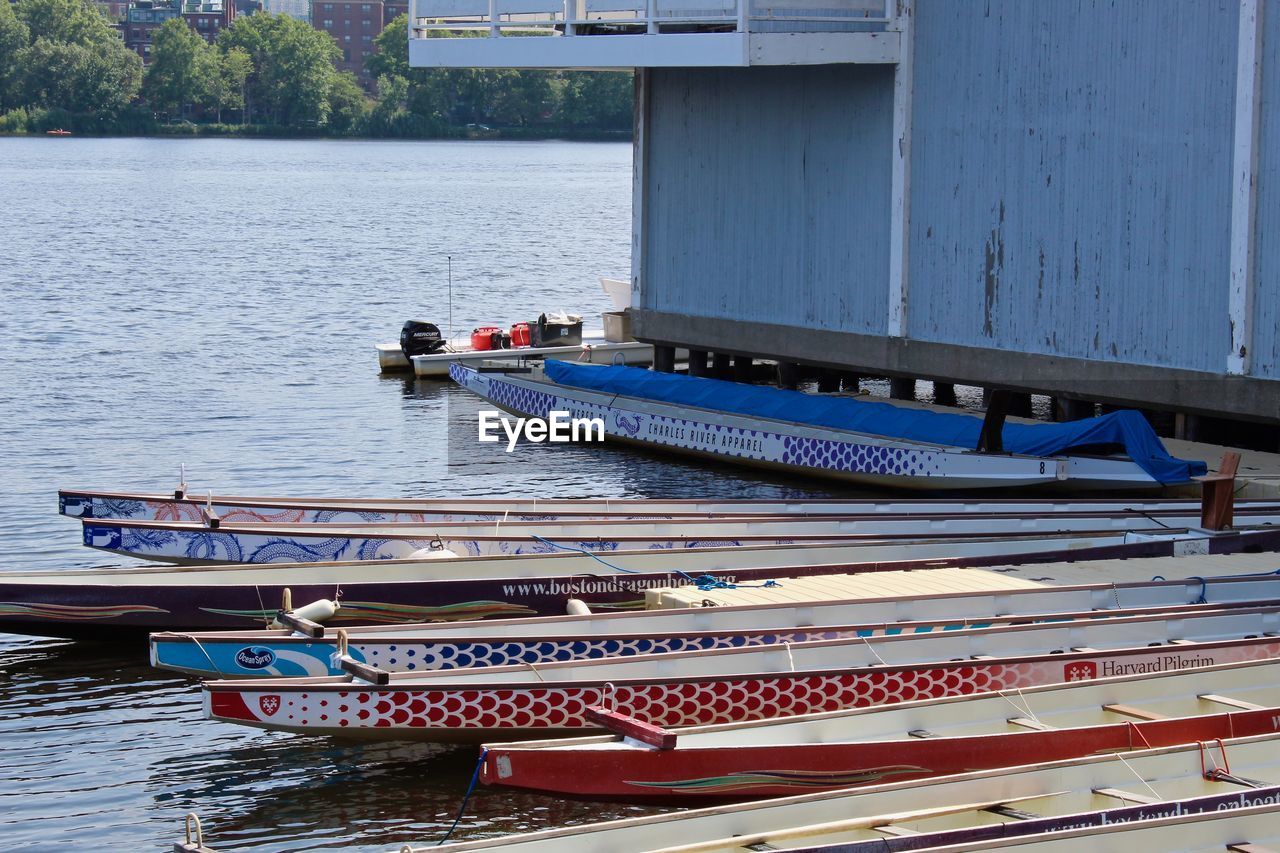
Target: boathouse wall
767, 193
1070, 187
1266, 320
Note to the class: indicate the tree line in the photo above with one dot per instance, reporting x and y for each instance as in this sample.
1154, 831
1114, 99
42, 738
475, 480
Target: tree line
62, 64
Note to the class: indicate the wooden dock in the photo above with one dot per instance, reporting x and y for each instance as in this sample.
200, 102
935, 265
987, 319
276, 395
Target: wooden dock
926, 582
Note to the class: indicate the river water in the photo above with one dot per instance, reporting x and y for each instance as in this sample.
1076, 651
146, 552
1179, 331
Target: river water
214, 303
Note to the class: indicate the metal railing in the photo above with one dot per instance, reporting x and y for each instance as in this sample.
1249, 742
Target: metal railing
589, 17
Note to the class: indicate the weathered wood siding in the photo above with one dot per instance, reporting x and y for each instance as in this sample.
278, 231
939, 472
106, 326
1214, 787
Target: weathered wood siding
767, 191
1266, 318
1071, 177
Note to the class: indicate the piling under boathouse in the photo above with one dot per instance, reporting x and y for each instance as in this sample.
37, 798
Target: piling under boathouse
1071, 197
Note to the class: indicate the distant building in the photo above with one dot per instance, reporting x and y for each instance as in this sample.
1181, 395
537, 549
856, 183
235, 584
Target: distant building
144, 17
354, 26
115, 10
300, 9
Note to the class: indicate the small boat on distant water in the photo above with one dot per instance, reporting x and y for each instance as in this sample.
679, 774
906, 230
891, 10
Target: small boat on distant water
832, 436
915, 739
986, 805
57, 131
190, 543
742, 684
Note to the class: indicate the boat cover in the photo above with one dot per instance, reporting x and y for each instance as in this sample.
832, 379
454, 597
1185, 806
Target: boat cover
1126, 428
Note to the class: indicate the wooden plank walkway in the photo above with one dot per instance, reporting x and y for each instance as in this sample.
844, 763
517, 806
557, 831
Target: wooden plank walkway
924, 582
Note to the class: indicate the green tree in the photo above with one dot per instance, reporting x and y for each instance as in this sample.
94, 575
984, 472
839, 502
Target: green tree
99, 78
600, 99
14, 37
348, 104
225, 75
77, 22
293, 67
181, 67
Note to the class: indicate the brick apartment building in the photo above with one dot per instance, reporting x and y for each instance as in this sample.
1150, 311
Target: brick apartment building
144, 17
354, 26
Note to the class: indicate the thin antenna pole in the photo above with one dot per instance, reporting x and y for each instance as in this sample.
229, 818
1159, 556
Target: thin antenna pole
450, 260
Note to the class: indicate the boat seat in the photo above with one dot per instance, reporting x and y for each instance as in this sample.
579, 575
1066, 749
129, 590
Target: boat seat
1028, 723
1126, 796
924, 733
981, 657
1084, 649
1182, 642
1012, 813
1229, 702
890, 829
1130, 711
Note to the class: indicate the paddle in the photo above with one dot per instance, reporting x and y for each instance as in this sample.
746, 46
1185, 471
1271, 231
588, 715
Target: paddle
739, 841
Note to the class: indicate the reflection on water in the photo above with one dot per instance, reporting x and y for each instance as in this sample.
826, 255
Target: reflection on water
215, 303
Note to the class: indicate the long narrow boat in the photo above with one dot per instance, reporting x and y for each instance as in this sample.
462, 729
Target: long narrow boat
196, 543
105, 603
699, 688
184, 505
444, 645
802, 434
636, 353
915, 739
994, 803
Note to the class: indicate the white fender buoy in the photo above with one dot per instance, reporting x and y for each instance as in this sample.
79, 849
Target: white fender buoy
432, 554
577, 607
316, 611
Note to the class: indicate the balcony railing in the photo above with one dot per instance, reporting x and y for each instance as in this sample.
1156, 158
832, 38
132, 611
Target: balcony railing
499, 18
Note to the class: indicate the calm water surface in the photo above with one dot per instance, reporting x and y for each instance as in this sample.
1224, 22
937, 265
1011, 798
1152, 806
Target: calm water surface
215, 303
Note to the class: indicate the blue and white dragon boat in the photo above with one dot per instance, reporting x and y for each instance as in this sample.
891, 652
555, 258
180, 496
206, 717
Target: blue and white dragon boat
835, 437
537, 640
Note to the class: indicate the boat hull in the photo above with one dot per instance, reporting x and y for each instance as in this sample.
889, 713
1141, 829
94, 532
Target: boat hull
474, 711
106, 603
634, 353
774, 771
794, 448
141, 506
194, 543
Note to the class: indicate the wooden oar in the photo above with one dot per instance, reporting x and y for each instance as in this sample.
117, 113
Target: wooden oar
841, 825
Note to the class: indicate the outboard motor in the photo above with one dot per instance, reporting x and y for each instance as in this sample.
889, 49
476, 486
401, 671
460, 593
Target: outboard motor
418, 337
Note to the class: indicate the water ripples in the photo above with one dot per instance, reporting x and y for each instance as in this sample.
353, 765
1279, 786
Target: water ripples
215, 303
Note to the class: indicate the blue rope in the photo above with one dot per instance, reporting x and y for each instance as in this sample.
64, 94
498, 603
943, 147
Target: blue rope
706, 583
471, 789
1204, 584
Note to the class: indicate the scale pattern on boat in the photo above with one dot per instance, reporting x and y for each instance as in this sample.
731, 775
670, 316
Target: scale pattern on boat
732, 699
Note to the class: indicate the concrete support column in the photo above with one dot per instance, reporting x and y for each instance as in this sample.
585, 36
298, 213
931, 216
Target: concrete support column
720, 365
944, 393
902, 389
697, 362
743, 368
1069, 409
1186, 427
788, 375
664, 359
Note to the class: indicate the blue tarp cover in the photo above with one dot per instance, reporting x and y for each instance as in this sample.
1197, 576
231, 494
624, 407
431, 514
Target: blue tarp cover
1127, 429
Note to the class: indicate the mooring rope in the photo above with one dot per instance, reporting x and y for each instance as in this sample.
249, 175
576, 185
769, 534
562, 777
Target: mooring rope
471, 789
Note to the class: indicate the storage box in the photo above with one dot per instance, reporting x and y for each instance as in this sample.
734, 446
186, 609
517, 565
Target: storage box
617, 326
